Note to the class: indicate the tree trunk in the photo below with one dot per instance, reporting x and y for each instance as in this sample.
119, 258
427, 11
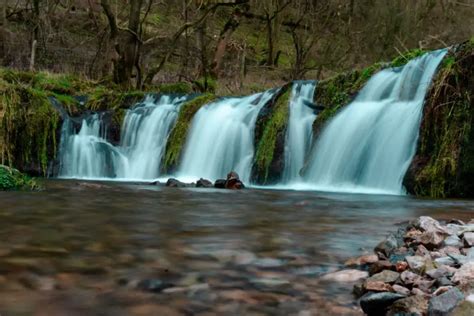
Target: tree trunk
270, 57
226, 33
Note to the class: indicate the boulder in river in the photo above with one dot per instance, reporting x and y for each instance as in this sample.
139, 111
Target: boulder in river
175, 183
204, 183
378, 303
233, 181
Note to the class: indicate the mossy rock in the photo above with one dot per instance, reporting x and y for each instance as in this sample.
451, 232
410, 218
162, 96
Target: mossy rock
12, 179
444, 162
177, 138
175, 88
270, 133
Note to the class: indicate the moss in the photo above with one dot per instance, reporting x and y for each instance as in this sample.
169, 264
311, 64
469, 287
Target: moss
275, 125
12, 179
206, 84
406, 57
177, 138
177, 88
102, 99
444, 163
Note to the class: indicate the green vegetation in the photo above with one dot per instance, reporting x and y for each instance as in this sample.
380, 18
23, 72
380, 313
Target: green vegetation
445, 158
12, 179
275, 127
177, 138
406, 57
177, 87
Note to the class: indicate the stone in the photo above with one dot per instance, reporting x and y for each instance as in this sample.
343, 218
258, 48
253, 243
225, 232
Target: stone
380, 266
448, 251
445, 303
447, 261
465, 274
424, 284
36, 282
468, 239
345, 276
422, 251
413, 305
412, 234
220, 184
153, 285
408, 277
387, 246
417, 263
401, 266
440, 272
233, 181
431, 239
361, 261
378, 303
441, 290
453, 241
175, 183
386, 276
444, 281
377, 286
428, 224
401, 289
204, 183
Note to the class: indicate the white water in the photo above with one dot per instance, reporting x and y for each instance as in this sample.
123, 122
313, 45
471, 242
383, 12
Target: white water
299, 132
221, 138
86, 154
369, 145
145, 131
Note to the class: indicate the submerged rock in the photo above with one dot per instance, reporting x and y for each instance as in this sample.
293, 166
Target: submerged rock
233, 181
220, 184
350, 275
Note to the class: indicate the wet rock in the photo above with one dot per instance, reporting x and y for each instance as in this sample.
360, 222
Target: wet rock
440, 272
465, 274
378, 303
380, 266
203, 183
387, 246
401, 289
220, 184
175, 183
233, 181
361, 261
386, 276
153, 285
428, 224
447, 261
345, 276
413, 305
445, 303
468, 239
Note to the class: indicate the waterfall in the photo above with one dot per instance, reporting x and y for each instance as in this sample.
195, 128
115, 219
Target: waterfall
221, 138
299, 132
145, 131
86, 154
369, 145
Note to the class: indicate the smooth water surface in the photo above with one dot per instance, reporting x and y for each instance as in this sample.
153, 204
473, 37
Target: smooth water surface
84, 248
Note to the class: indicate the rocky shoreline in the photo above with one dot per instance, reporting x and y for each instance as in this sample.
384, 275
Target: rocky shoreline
425, 268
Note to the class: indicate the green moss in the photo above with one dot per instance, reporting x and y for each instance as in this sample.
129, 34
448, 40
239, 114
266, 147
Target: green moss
178, 88
445, 153
406, 57
102, 98
12, 179
275, 125
177, 138
206, 84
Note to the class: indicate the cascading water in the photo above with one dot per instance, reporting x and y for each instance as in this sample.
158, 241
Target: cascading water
146, 127
145, 132
86, 154
221, 138
369, 145
299, 132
